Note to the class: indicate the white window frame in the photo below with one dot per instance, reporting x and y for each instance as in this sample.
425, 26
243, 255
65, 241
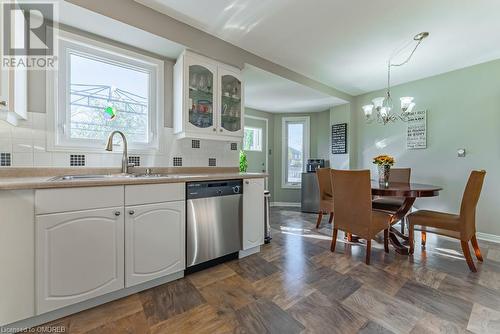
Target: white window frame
260, 130
58, 94
284, 148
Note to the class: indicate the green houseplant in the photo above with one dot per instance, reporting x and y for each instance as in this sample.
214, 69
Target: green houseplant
243, 162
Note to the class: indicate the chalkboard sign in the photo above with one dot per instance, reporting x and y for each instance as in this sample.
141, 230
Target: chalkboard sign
339, 138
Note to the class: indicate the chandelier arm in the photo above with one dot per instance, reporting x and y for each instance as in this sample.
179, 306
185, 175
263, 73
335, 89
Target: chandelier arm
407, 59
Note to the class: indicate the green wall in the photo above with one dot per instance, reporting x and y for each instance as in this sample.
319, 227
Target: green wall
463, 112
319, 148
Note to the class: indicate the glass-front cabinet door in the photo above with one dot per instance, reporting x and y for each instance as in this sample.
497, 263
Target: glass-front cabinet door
200, 103
231, 103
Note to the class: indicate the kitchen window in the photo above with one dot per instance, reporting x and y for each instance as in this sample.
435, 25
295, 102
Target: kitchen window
252, 139
295, 150
100, 88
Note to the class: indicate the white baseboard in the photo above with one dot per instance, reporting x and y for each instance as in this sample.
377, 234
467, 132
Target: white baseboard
488, 237
288, 204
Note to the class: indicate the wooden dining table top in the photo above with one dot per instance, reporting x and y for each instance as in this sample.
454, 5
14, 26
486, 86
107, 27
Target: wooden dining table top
399, 189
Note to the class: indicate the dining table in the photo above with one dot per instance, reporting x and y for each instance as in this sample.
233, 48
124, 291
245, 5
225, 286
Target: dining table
409, 192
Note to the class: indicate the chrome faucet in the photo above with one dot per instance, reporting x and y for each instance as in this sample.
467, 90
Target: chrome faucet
109, 147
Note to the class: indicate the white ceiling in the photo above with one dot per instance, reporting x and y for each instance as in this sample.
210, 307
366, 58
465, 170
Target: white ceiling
346, 43
263, 90
104, 26
269, 92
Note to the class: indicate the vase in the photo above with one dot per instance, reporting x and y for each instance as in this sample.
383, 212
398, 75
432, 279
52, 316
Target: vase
383, 174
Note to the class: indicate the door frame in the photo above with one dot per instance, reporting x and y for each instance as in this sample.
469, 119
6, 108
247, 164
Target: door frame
267, 140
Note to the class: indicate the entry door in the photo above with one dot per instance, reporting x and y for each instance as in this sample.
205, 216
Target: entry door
254, 144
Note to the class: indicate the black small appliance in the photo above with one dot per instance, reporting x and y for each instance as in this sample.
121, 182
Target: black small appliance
313, 164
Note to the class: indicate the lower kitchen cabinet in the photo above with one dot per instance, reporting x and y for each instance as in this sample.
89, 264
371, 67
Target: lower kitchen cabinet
253, 213
79, 255
155, 241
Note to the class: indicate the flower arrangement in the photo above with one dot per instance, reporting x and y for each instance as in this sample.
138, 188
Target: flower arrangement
384, 160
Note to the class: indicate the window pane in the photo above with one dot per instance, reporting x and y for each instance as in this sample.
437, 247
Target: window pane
252, 139
105, 96
295, 137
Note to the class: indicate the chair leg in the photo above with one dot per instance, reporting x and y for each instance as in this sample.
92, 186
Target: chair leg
424, 238
334, 239
386, 240
368, 251
403, 221
475, 245
330, 220
468, 257
320, 216
411, 238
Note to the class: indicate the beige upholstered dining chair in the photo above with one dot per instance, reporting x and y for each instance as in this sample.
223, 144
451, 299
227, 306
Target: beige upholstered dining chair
461, 226
352, 204
325, 194
392, 204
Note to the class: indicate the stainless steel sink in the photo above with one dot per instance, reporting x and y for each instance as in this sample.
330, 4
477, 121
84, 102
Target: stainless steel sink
104, 176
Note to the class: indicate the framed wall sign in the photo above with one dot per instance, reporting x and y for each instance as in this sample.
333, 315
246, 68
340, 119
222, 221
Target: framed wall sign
339, 138
416, 135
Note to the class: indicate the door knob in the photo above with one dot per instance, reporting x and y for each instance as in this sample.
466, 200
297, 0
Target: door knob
117, 213
3, 103
131, 212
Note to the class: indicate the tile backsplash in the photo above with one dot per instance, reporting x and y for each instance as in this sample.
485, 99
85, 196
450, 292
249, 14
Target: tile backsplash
26, 146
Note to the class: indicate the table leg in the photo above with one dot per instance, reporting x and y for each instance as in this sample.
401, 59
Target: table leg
394, 234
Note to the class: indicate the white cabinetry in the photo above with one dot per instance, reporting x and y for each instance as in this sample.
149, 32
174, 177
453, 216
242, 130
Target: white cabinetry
17, 255
154, 245
253, 213
80, 255
13, 82
208, 99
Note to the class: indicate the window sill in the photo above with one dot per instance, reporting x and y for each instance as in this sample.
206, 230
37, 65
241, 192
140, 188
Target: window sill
291, 186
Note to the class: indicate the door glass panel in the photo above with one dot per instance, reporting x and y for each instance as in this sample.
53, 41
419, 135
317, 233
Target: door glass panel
201, 83
231, 103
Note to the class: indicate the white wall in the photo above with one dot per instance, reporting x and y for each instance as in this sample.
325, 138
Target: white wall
463, 112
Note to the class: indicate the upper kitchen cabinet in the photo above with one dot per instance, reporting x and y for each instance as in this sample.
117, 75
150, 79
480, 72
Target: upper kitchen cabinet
13, 83
208, 99
230, 106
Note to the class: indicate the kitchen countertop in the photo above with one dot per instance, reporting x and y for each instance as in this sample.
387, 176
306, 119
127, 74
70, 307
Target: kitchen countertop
44, 182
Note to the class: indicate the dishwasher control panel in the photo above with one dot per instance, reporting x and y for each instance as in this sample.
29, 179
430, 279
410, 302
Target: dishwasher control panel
213, 188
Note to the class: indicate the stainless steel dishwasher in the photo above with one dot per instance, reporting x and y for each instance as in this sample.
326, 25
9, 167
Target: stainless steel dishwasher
213, 220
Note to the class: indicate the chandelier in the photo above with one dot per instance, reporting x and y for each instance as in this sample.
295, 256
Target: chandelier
383, 106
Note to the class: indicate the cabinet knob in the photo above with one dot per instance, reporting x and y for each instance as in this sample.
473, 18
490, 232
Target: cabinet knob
247, 182
214, 129
117, 213
131, 212
220, 130
3, 103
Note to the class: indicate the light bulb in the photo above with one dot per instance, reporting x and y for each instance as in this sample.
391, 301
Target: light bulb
377, 102
368, 110
384, 111
407, 103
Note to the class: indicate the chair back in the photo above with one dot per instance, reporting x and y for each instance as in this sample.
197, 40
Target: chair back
324, 183
469, 202
400, 175
352, 201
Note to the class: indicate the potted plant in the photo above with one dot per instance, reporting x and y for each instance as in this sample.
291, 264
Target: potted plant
384, 164
243, 162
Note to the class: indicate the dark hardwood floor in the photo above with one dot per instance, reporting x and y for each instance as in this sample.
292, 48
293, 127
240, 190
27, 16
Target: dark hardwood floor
296, 285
